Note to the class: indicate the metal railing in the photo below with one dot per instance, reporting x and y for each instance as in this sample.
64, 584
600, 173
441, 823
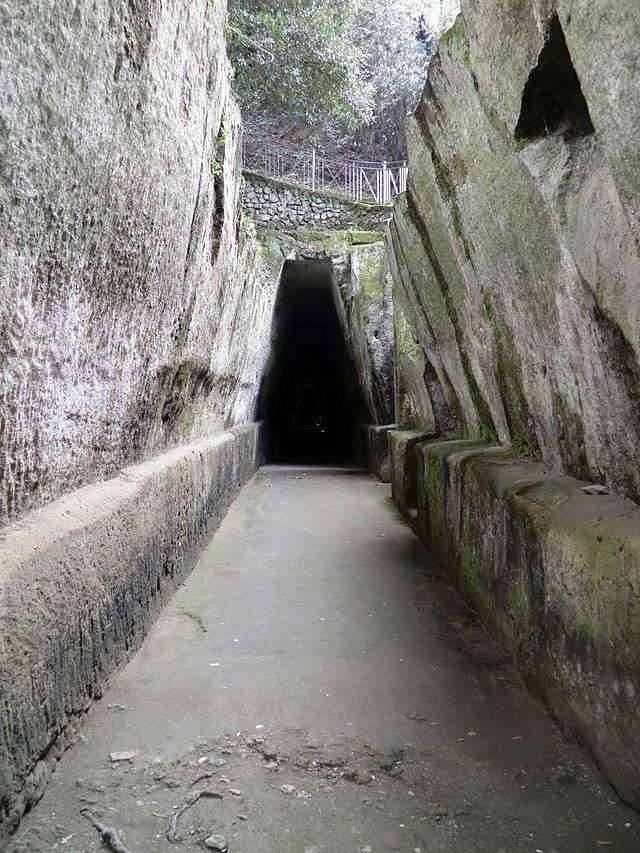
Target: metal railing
358, 180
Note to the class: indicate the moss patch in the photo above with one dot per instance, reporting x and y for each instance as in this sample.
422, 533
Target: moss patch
606, 580
276, 244
370, 269
456, 41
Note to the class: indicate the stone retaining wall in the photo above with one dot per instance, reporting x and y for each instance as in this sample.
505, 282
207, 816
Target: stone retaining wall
281, 205
81, 581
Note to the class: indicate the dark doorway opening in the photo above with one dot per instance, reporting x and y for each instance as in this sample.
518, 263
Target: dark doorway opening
309, 393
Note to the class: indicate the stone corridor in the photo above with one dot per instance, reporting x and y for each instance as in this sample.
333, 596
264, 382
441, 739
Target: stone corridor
214, 632
318, 673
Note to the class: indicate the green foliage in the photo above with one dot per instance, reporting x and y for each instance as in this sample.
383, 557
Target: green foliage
296, 58
324, 69
221, 141
395, 46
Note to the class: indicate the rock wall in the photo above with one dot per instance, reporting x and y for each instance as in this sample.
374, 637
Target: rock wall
135, 327
517, 244
126, 276
516, 264
277, 204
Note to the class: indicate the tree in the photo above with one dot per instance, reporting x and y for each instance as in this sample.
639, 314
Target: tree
327, 72
296, 66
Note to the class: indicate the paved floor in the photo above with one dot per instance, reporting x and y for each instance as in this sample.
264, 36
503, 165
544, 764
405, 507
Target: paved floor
316, 647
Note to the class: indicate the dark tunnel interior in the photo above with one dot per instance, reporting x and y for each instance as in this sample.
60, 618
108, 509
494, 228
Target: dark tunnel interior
309, 392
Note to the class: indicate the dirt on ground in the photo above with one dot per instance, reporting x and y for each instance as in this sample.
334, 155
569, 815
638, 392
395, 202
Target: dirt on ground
285, 791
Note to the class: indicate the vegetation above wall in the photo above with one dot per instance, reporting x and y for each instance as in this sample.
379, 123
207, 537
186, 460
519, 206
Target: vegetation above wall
331, 72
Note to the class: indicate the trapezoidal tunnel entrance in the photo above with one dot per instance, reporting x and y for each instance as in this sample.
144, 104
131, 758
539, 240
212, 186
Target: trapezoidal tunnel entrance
309, 393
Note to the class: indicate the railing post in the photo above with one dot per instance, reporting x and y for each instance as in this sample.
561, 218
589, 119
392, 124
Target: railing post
313, 169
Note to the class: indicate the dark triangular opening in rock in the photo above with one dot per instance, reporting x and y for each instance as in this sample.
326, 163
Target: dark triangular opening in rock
552, 102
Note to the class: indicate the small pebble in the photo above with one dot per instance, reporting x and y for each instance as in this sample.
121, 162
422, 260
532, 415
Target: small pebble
287, 789
216, 842
123, 756
595, 489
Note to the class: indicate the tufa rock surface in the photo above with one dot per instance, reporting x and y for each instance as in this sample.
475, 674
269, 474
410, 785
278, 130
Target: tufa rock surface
516, 248
130, 289
516, 266
135, 328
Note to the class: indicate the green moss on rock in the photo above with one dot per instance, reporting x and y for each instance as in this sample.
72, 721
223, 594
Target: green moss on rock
605, 564
277, 243
370, 266
456, 41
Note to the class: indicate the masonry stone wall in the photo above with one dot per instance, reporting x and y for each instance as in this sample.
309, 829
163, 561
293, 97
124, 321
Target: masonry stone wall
281, 205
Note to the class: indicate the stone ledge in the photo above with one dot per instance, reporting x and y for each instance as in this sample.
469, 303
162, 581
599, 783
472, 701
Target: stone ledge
555, 573
402, 446
81, 581
374, 449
